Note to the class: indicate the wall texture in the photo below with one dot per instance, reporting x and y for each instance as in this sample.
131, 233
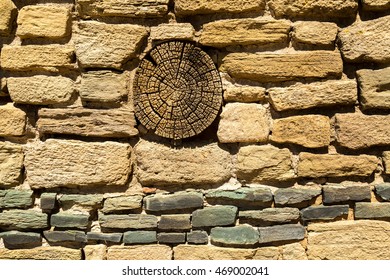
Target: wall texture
294, 167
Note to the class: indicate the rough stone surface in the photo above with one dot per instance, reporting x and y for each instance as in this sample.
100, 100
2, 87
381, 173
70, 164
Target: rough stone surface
171, 238
197, 237
48, 201
366, 41
338, 193
324, 213
294, 251
175, 222
107, 45
68, 220
281, 233
95, 252
65, 237
11, 162
318, 94
296, 197
41, 253
16, 199
244, 94
77, 163
386, 161
269, 216
383, 190
329, 165
122, 203
264, 164
22, 219
214, 216
90, 201
243, 123
245, 32
372, 210
242, 235
374, 88
41, 90
322, 34
165, 166
20, 240
139, 237
48, 21
310, 131
205, 252
275, 67
143, 252
127, 222
105, 237
8, 11
376, 5
172, 31
12, 120
176, 202
349, 240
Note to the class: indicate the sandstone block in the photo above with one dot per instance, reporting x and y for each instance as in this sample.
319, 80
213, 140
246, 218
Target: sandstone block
139, 237
325, 165
197, 237
122, 203
294, 251
11, 163
87, 122
37, 57
205, 252
241, 236
324, 213
12, 120
349, 240
243, 123
259, 164
318, 94
275, 67
175, 222
22, 219
48, 21
338, 193
374, 90
77, 163
104, 237
322, 34
127, 222
269, 216
281, 233
366, 41
172, 31
244, 94
8, 12
21, 240
386, 161
165, 166
228, 32
177, 202
67, 220
311, 131
71, 237
48, 201
171, 238
374, 210
214, 216
107, 45
88, 201
41, 90
296, 197
376, 5
95, 252
383, 190
16, 199
41, 253
143, 252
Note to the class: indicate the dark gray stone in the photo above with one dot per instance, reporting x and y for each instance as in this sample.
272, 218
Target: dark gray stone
269, 216
105, 237
174, 203
127, 222
93, 201
375, 210
238, 236
16, 199
383, 190
139, 237
197, 237
56, 237
66, 220
122, 204
244, 198
294, 197
326, 213
175, 222
23, 219
48, 201
337, 194
171, 238
21, 240
214, 216
281, 233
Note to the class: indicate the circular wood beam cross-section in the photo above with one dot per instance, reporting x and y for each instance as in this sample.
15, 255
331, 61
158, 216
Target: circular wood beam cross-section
177, 90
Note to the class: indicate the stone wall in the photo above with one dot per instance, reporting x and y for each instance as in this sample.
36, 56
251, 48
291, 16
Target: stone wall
295, 166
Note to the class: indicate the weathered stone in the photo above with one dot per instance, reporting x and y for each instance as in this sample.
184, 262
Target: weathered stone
322, 34
383, 190
8, 12
107, 45
294, 251
48, 201
314, 8
338, 193
259, 164
324, 213
103, 86
228, 32
244, 94
126, 222
88, 122
41, 253
16, 199
319, 94
214, 216
11, 162
67, 220
376, 5
65, 237
386, 161
349, 240
269, 216
197, 237
241, 236
244, 198
91, 201
77, 163
95, 252
122, 203
205, 252
48, 21
366, 41
140, 252
119, 8
160, 165
176, 202
310, 131
188, 7
172, 31
105, 237
36, 57
139, 237
12, 120
296, 197
357, 131
22, 219
374, 88
21, 240
281, 233
243, 123
328, 165
175, 222
275, 67
372, 210
41, 90
171, 238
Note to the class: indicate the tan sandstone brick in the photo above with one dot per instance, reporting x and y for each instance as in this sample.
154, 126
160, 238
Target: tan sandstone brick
142, 252
172, 31
12, 120
376, 5
11, 163
315, 33
95, 252
41, 253
244, 94
386, 161
8, 12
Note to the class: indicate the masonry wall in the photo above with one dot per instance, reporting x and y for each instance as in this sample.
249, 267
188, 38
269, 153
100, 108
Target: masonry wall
294, 167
